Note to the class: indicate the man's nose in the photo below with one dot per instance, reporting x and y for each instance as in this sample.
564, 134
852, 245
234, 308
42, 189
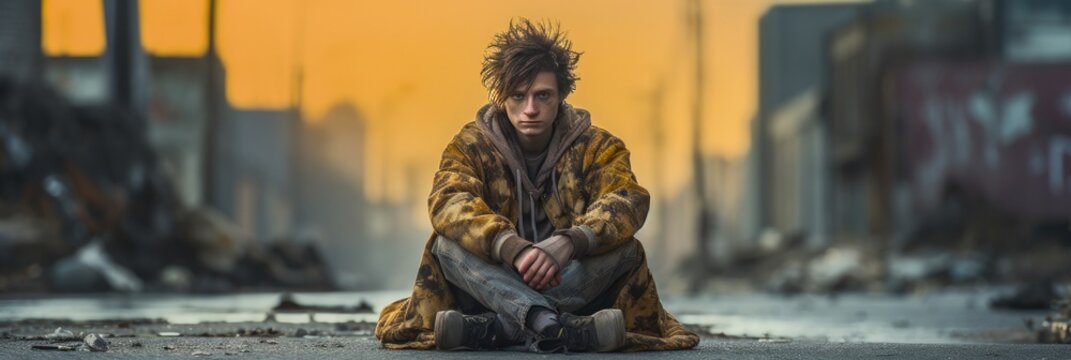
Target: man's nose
530, 108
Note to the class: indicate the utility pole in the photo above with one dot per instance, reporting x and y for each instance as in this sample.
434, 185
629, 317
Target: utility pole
657, 141
127, 67
122, 49
211, 112
703, 218
298, 131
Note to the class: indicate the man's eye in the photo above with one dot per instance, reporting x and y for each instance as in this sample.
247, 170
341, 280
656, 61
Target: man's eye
517, 97
544, 96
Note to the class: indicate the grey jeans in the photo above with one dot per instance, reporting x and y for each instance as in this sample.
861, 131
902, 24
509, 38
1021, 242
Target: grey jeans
502, 290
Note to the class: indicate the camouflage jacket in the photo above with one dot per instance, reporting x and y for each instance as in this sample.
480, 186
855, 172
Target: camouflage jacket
473, 201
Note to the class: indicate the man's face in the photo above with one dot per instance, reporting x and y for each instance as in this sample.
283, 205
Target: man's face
532, 110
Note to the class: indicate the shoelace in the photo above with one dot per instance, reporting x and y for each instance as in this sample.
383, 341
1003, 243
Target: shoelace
564, 336
577, 338
478, 329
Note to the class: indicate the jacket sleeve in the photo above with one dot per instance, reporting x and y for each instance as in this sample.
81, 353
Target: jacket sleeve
618, 205
457, 207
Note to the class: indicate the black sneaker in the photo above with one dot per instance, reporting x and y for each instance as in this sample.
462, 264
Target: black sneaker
602, 331
457, 331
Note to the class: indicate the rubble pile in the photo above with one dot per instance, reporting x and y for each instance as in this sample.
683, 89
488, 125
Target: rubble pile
287, 304
85, 206
792, 268
1056, 329
1036, 295
1035, 262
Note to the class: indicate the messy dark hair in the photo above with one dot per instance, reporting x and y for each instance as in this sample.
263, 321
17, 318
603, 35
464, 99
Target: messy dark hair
518, 54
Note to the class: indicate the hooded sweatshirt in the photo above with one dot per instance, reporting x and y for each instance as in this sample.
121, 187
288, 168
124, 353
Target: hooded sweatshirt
535, 177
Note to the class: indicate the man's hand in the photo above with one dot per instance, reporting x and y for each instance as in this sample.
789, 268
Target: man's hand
537, 269
560, 249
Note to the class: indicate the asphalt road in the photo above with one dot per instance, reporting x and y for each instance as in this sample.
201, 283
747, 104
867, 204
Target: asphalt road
935, 326
366, 347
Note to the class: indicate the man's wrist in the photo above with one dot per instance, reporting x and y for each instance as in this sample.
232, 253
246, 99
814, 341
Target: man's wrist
581, 237
558, 247
512, 246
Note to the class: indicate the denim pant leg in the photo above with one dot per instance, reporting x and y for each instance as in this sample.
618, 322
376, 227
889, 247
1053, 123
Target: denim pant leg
585, 279
498, 288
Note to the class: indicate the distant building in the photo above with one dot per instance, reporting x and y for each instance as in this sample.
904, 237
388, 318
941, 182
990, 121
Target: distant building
843, 143
178, 113
254, 179
788, 161
949, 112
20, 40
331, 206
863, 136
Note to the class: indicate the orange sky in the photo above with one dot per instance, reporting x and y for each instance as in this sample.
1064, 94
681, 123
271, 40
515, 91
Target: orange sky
412, 66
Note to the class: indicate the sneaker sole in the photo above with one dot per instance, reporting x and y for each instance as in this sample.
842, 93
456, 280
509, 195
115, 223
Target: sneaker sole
448, 326
610, 329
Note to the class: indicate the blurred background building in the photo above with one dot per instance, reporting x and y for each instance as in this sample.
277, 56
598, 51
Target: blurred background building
838, 145
901, 128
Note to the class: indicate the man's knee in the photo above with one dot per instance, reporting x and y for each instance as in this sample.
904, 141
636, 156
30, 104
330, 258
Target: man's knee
451, 257
444, 246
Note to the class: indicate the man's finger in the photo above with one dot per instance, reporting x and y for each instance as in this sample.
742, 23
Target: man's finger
533, 273
537, 261
524, 262
551, 272
537, 280
549, 276
541, 274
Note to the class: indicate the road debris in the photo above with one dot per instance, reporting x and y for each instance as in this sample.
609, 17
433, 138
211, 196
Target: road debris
287, 304
255, 332
61, 335
55, 347
96, 343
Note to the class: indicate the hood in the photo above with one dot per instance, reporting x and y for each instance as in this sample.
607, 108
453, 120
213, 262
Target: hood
568, 126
